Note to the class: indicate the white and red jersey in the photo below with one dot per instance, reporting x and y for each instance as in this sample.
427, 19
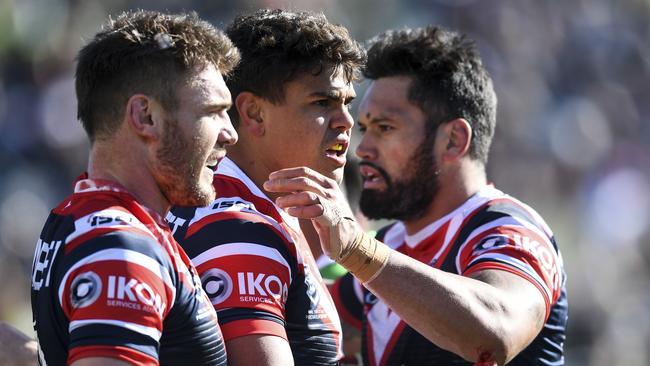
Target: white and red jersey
109, 280
489, 231
257, 269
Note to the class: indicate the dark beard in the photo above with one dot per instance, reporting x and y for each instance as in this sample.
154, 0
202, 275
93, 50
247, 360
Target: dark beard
179, 180
407, 198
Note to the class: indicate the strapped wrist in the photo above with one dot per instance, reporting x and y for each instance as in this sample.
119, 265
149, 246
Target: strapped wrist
365, 257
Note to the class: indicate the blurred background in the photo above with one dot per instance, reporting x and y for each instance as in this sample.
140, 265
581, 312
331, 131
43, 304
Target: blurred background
572, 136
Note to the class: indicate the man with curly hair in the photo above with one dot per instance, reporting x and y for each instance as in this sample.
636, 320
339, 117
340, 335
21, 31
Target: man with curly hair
110, 285
292, 91
467, 275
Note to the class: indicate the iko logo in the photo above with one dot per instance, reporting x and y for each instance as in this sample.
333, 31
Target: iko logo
262, 284
370, 298
122, 289
85, 289
492, 242
217, 284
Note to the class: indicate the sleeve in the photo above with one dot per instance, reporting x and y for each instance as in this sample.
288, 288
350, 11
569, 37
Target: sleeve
347, 294
518, 248
116, 291
246, 269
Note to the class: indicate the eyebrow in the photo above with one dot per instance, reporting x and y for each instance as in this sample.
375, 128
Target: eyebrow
334, 95
217, 106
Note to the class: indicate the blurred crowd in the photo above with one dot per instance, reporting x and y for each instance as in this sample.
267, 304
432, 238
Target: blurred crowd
572, 136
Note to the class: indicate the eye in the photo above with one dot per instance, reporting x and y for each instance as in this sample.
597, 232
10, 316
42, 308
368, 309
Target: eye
385, 128
362, 129
322, 102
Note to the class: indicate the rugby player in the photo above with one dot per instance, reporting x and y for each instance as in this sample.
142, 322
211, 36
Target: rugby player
467, 274
110, 286
291, 90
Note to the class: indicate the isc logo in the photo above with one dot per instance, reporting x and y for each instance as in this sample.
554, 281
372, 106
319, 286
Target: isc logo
260, 284
121, 288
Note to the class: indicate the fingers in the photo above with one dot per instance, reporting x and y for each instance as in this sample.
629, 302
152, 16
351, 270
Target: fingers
298, 199
303, 172
293, 185
303, 205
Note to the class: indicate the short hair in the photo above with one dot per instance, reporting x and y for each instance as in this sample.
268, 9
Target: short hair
448, 79
143, 52
277, 46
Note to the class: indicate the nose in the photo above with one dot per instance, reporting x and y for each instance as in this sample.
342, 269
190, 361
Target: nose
342, 121
366, 149
228, 135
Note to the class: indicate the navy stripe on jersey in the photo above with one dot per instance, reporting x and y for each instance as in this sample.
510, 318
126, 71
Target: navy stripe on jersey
236, 231
113, 336
480, 218
233, 314
122, 240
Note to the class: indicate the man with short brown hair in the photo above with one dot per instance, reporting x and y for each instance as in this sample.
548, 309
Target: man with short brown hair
110, 285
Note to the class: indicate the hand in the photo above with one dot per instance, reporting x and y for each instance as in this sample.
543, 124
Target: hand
310, 195
16, 348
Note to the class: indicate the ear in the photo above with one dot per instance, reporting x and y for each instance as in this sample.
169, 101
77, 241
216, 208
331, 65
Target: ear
251, 118
457, 136
143, 116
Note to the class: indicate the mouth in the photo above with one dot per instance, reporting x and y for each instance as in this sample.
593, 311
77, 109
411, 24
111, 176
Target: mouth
215, 157
372, 178
337, 151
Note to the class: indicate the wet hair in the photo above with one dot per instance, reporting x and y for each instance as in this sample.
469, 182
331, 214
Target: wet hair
449, 80
143, 52
277, 46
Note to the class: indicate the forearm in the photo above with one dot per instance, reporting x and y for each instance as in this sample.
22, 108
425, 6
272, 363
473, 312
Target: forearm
465, 316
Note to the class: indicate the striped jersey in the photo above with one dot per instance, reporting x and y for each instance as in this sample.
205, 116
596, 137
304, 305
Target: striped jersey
489, 231
109, 280
257, 268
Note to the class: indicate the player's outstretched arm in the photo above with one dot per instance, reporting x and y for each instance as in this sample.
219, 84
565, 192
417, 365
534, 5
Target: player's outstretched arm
490, 317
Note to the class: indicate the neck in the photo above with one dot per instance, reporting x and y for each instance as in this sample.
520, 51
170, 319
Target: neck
120, 163
249, 160
456, 187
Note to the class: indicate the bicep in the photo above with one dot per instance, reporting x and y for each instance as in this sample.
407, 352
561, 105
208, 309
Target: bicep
259, 350
523, 301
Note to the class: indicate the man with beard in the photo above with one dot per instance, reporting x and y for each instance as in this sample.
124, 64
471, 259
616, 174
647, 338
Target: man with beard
292, 90
110, 286
467, 274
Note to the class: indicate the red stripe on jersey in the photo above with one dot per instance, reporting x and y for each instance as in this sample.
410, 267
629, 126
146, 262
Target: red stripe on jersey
121, 353
525, 245
389, 345
443, 256
427, 249
227, 186
129, 292
342, 309
245, 327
